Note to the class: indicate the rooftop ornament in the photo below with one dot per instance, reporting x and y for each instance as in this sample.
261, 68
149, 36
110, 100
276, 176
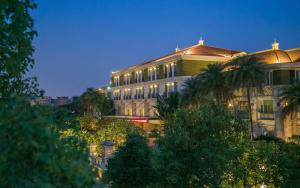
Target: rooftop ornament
275, 45
201, 41
177, 49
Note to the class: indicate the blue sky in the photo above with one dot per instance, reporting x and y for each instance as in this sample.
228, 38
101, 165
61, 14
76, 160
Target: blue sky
81, 41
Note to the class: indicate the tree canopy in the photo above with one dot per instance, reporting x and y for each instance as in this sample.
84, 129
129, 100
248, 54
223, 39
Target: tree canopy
16, 50
290, 99
92, 103
34, 155
132, 164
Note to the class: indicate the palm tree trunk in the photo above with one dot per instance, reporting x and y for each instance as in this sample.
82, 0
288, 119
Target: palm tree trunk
250, 111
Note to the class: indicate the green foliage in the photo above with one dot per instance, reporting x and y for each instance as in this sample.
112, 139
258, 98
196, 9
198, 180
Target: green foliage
197, 146
32, 152
132, 164
247, 72
166, 106
92, 102
275, 163
89, 122
16, 35
115, 130
290, 99
211, 83
289, 161
254, 166
208, 147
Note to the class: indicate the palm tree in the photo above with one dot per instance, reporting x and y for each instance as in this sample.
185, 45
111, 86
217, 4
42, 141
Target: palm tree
214, 82
290, 99
166, 106
191, 94
211, 82
247, 72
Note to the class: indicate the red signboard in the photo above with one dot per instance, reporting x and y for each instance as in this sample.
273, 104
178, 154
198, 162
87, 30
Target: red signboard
139, 120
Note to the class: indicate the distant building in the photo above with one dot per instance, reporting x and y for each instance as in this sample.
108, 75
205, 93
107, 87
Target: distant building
60, 101
45, 100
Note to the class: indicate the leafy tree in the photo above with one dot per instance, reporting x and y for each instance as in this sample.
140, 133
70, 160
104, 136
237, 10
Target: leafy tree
166, 106
89, 122
32, 152
247, 73
131, 165
257, 164
290, 99
114, 130
16, 35
289, 161
197, 146
74, 106
95, 103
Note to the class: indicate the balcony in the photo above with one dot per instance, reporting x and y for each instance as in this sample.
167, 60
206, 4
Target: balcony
266, 116
152, 95
139, 96
117, 98
126, 97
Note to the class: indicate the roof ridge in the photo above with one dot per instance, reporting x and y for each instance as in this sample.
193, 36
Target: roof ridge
293, 49
262, 51
173, 54
221, 48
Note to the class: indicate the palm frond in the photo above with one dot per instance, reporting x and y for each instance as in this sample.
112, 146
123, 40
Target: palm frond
290, 99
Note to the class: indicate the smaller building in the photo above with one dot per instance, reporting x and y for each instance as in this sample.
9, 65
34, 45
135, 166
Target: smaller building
45, 100
60, 101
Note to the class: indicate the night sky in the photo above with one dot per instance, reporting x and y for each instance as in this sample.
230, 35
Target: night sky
81, 41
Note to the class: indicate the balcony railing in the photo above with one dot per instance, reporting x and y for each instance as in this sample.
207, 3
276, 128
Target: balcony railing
117, 98
139, 96
152, 95
128, 97
266, 116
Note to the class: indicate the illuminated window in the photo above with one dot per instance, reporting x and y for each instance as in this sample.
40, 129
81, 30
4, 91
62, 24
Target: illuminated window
116, 80
139, 76
127, 78
170, 70
169, 88
153, 91
269, 79
127, 94
139, 93
152, 73
117, 95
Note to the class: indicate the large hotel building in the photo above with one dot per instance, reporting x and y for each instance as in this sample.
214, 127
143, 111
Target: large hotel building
135, 89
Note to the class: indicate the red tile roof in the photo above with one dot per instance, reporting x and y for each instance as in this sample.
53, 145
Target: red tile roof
202, 50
